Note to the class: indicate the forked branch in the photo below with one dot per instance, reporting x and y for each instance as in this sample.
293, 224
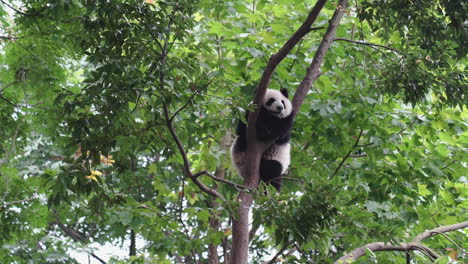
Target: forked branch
313, 72
415, 244
239, 187
240, 228
183, 153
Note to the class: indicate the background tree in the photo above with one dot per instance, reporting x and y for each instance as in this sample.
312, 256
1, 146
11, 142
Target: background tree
117, 118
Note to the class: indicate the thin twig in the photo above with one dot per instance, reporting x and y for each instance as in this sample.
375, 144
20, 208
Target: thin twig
75, 235
189, 100
368, 44
20, 201
348, 154
446, 166
239, 187
453, 242
183, 153
21, 105
155, 37
8, 85
301, 251
280, 252
141, 205
137, 102
184, 106
41, 15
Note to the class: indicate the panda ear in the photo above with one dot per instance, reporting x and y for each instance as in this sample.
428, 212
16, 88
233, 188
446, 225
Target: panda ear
284, 91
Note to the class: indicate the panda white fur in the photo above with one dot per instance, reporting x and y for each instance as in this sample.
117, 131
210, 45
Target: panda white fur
273, 123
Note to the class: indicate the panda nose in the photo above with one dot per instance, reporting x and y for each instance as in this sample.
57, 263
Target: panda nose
279, 108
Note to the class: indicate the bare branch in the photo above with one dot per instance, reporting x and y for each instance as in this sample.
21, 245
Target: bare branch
235, 185
8, 85
415, 244
348, 154
368, 44
382, 246
313, 72
21, 105
8, 37
455, 243
183, 153
142, 205
280, 252
75, 235
20, 201
8, 101
439, 230
446, 166
189, 100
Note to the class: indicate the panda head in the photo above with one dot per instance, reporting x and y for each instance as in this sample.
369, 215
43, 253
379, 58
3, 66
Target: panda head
277, 103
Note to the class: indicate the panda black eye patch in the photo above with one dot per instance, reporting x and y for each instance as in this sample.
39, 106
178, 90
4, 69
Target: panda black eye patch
269, 102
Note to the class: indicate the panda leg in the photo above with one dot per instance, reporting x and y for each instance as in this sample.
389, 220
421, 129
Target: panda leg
270, 172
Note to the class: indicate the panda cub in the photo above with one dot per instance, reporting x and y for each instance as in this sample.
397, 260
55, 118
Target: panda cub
274, 122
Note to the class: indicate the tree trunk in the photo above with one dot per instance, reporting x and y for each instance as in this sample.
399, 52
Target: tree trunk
240, 226
132, 243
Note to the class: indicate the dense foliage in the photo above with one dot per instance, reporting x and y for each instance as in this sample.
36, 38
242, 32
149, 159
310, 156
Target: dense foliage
89, 90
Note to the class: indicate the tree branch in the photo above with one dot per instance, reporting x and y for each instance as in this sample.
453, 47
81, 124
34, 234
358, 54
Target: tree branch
40, 15
368, 44
8, 85
189, 100
439, 230
19, 105
76, 236
239, 187
313, 72
280, 252
20, 201
415, 244
240, 227
348, 154
183, 153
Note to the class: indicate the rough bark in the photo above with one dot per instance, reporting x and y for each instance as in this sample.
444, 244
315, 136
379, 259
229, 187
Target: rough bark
313, 72
213, 256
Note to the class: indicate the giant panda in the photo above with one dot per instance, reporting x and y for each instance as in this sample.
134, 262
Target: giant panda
274, 122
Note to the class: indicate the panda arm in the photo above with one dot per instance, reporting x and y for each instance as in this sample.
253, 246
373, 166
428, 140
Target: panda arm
241, 129
264, 126
282, 129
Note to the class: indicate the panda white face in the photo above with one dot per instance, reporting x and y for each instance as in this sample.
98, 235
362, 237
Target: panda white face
277, 103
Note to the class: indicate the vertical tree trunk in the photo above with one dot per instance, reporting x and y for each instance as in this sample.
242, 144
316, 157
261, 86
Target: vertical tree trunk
132, 243
213, 256
240, 226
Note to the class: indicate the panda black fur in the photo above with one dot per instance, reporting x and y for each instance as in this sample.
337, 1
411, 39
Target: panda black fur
274, 122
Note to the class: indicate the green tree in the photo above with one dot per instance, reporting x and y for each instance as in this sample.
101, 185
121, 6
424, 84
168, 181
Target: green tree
117, 118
